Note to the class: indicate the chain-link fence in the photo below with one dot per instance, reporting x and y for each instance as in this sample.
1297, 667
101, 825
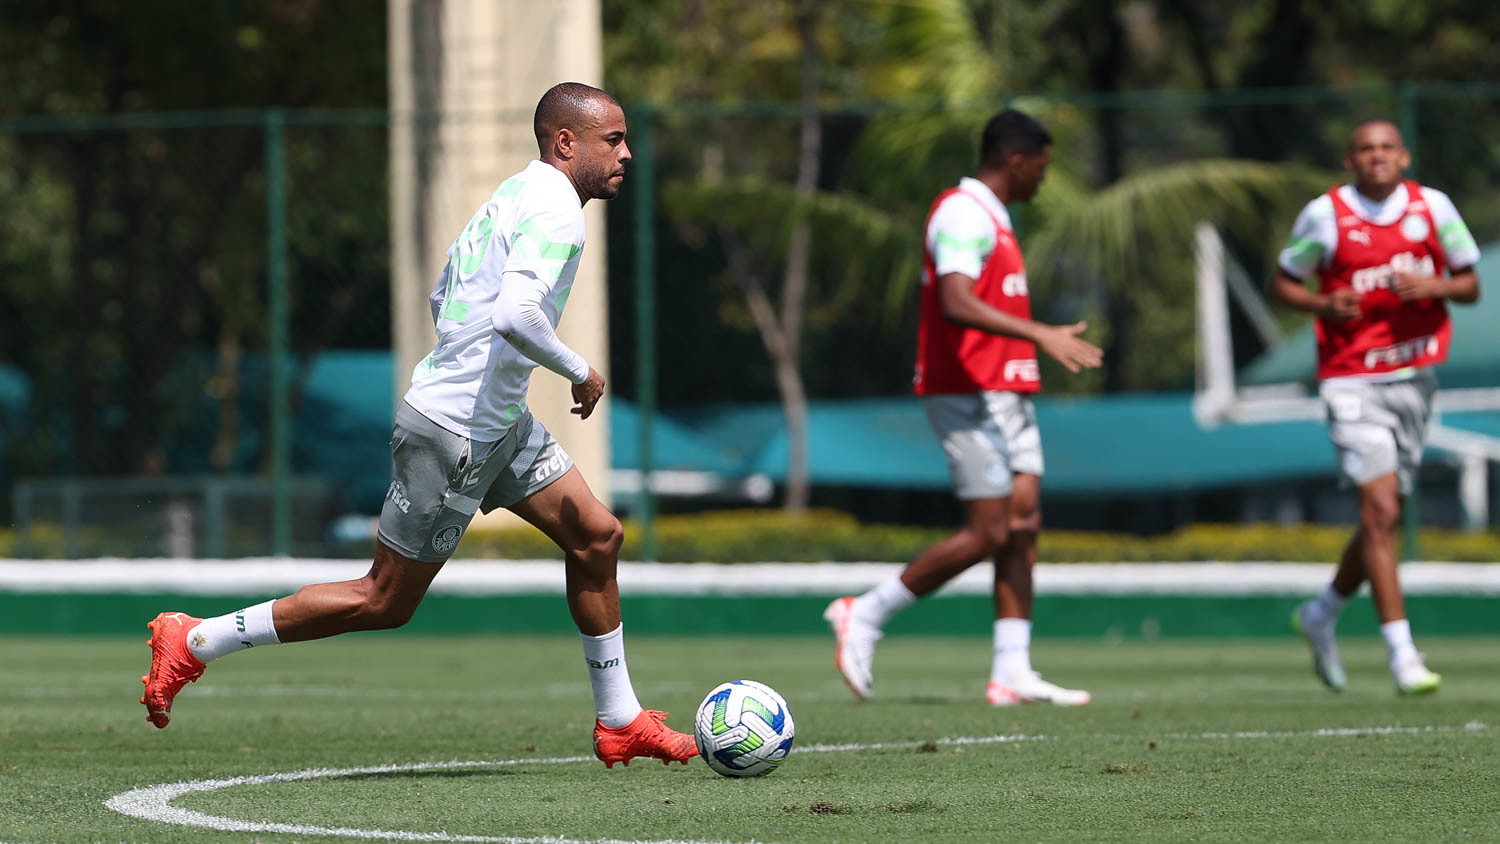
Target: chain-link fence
724, 175
1108, 240
176, 289
194, 298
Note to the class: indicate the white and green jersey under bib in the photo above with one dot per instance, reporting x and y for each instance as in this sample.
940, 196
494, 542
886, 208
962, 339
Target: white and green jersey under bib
961, 231
1315, 234
497, 304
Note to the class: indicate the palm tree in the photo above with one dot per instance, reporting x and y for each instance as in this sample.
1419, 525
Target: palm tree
1113, 254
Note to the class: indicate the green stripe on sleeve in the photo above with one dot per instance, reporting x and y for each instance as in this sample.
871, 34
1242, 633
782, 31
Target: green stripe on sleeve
1455, 237
545, 248
1304, 250
977, 244
510, 187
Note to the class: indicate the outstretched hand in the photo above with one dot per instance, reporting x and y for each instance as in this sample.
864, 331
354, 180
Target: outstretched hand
1064, 345
587, 394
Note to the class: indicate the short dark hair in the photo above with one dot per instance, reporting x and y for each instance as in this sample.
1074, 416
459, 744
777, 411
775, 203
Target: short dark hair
1008, 133
562, 106
1374, 121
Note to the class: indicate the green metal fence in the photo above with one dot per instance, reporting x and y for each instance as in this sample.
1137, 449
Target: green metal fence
174, 277
171, 280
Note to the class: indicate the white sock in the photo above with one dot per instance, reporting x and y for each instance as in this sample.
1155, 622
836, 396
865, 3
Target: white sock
224, 634
1012, 648
878, 605
1398, 643
614, 698
1325, 608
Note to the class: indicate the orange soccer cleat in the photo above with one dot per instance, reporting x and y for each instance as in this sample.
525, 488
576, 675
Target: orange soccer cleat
645, 737
172, 664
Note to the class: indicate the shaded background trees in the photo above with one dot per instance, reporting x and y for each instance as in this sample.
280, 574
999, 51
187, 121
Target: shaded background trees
133, 300
134, 263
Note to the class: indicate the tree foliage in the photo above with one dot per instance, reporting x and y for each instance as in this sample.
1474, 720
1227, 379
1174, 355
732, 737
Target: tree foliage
1108, 238
135, 259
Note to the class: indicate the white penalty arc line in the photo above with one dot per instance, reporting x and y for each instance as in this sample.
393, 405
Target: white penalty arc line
154, 803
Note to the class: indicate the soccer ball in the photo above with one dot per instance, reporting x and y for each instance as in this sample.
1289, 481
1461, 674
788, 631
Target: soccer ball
744, 729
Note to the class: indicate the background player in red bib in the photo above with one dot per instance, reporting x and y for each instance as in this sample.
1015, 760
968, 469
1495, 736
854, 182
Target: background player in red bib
976, 365
1379, 249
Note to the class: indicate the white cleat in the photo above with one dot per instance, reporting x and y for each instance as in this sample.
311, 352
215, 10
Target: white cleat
1325, 648
1413, 678
853, 646
1029, 687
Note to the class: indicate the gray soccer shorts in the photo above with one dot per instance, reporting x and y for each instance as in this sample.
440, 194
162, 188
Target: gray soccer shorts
987, 437
1378, 427
441, 478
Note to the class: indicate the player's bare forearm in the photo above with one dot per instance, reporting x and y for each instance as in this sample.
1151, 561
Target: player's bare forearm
962, 307
992, 321
1292, 293
1463, 286
1060, 342
1341, 304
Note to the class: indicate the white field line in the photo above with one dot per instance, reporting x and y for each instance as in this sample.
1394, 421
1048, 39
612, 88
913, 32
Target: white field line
530, 577
154, 803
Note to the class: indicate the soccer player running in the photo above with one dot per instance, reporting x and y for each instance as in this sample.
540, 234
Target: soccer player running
1379, 249
976, 367
464, 440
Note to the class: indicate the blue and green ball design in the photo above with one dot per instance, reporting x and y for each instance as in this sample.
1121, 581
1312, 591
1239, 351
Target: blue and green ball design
744, 729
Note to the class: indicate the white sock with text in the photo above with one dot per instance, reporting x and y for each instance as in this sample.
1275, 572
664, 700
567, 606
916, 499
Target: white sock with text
235, 631
615, 703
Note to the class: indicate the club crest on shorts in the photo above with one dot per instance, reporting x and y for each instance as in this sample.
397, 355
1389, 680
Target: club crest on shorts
445, 540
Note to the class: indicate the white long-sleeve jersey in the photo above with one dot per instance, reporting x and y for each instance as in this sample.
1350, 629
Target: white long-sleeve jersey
497, 304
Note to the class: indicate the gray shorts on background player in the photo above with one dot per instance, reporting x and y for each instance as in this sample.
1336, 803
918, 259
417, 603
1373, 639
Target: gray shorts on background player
441, 478
1378, 427
987, 437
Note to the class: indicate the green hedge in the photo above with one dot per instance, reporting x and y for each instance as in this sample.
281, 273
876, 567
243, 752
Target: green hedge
754, 535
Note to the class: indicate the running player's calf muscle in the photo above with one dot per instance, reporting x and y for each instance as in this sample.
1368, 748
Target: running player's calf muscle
383, 599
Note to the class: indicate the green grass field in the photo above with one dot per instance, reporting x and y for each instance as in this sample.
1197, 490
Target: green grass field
1184, 741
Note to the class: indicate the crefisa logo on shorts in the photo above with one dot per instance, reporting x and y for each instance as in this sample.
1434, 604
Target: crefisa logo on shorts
397, 495
445, 540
